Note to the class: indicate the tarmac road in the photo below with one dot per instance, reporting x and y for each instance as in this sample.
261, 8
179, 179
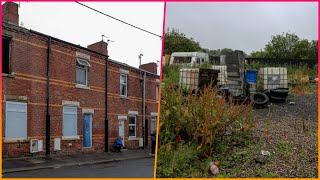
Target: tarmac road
142, 168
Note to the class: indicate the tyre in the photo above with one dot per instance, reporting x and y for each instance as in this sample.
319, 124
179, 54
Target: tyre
266, 92
259, 99
279, 92
237, 100
277, 99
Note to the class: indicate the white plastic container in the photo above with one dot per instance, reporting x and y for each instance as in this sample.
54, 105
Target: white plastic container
223, 60
222, 76
195, 78
272, 77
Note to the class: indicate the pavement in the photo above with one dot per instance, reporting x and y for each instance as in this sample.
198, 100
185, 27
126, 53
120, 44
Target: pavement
56, 161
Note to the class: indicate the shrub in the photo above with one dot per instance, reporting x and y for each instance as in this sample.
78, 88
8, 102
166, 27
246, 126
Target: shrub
203, 118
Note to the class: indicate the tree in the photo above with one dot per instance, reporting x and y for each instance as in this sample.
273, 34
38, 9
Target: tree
224, 51
258, 54
282, 46
217, 52
178, 42
313, 49
288, 46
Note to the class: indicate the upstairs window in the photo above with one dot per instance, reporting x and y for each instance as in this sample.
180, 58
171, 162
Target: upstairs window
123, 85
82, 72
5, 55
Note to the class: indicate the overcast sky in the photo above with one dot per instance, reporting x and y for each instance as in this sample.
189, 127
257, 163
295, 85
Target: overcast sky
76, 24
242, 26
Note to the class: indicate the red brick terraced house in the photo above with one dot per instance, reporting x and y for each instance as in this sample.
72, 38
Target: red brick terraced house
57, 97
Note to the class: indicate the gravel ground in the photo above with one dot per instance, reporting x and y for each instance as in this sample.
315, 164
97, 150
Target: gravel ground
306, 106
290, 133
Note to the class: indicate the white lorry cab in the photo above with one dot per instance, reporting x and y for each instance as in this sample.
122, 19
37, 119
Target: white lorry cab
190, 58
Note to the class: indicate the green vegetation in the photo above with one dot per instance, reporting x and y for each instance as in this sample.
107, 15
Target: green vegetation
178, 42
288, 46
198, 130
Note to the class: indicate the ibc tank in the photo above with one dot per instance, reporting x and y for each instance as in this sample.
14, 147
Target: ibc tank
189, 78
223, 60
195, 78
222, 76
272, 78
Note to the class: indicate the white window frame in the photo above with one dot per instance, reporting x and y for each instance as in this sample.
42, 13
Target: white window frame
86, 64
135, 126
125, 84
154, 119
76, 136
26, 111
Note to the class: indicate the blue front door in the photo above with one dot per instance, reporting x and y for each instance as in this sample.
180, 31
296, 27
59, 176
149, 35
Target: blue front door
87, 130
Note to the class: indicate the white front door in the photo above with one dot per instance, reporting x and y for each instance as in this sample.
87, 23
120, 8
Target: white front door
121, 130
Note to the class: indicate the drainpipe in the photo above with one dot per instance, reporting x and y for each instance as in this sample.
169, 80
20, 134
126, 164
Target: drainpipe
106, 124
144, 110
48, 98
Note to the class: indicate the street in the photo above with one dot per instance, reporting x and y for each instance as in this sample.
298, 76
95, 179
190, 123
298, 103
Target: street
142, 168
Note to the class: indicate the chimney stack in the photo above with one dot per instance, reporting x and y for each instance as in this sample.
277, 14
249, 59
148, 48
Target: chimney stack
100, 47
150, 67
10, 13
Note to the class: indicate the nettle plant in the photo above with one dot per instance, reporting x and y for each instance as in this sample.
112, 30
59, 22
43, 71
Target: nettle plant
204, 117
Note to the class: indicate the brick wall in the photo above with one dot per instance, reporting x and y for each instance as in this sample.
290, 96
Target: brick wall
150, 67
28, 63
100, 47
10, 13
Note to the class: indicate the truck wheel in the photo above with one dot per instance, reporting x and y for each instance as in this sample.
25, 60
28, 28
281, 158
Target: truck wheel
280, 92
277, 99
259, 99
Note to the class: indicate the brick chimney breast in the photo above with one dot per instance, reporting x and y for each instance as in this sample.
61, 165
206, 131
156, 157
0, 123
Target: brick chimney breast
10, 13
150, 67
100, 47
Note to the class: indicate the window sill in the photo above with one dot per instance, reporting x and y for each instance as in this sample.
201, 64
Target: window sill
132, 138
11, 75
82, 86
15, 140
70, 137
124, 97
